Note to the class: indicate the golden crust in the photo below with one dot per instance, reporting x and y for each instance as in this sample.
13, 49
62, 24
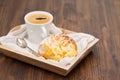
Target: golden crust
68, 39
57, 47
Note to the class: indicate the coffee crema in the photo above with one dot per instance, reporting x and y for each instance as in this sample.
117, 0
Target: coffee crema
38, 18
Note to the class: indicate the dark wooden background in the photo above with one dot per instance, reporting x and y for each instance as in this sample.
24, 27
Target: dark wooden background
100, 18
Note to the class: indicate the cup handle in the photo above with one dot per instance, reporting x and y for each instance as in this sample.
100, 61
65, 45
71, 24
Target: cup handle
53, 29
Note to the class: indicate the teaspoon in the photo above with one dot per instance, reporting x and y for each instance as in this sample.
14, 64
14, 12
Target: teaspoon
22, 43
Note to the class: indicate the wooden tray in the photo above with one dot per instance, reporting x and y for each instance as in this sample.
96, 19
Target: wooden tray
51, 66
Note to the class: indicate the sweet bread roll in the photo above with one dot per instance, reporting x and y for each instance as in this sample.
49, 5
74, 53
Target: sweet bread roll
57, 47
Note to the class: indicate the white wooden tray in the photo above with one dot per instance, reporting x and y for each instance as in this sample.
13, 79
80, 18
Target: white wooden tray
51, 66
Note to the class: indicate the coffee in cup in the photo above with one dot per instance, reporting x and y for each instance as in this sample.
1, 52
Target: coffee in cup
39, 18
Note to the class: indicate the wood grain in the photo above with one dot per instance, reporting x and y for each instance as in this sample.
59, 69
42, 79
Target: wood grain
100, 18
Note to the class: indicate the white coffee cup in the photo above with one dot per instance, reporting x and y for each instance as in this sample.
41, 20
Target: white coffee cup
37, 32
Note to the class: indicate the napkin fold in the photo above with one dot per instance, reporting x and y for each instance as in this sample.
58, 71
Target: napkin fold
82, 40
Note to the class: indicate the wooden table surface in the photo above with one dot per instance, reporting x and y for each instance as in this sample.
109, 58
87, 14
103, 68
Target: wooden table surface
100, 18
